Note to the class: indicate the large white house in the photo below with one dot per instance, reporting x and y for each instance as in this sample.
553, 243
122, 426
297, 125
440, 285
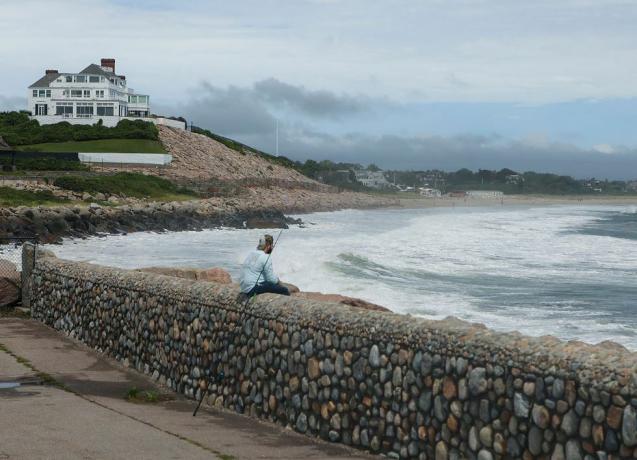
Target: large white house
95, 93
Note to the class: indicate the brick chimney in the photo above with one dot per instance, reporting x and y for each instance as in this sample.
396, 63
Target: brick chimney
109, 62
50, 71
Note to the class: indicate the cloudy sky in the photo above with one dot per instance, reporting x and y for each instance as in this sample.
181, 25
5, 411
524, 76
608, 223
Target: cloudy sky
547, 85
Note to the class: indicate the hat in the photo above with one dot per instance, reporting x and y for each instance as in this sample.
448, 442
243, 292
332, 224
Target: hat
265, 240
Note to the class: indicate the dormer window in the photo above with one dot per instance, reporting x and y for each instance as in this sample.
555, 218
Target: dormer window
94, 79
69, 79
80, 79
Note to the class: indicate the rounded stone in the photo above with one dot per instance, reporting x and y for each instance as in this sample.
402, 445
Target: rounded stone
374, 356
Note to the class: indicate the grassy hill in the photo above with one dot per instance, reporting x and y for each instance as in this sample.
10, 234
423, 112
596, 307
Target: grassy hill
98, 146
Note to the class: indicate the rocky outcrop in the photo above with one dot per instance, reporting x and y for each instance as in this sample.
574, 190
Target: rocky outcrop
9, 283
215, 274
198, 157
259, 208
351, 301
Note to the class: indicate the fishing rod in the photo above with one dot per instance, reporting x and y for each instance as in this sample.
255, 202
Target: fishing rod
220, 375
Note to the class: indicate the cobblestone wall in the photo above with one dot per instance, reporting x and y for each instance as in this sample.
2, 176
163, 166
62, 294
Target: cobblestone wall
386, 383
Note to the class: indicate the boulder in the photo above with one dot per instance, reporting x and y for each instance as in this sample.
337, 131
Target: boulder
291, 287
9, 283
215, 274
358, 303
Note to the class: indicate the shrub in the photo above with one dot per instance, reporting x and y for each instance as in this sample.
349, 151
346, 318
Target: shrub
129, 184
17, 129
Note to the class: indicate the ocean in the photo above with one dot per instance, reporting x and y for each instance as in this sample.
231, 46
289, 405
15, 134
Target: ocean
567, 271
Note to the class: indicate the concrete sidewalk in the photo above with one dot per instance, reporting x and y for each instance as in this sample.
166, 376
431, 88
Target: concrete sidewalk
91, 418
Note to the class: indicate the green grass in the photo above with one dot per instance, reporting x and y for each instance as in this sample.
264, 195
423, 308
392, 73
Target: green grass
98, 146
12, 197
146, 396
129, 184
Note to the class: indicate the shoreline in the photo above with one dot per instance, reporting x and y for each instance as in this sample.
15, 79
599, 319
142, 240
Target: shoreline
515, 200
257, 208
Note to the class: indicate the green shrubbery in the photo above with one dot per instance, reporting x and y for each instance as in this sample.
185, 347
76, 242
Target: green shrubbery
43, 164
12, 197
18, 129
128, 184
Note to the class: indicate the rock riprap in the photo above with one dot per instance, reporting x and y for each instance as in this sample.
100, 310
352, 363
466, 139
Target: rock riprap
258, 208
388, 383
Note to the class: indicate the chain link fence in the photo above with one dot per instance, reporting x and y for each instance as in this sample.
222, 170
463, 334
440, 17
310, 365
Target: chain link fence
10, 269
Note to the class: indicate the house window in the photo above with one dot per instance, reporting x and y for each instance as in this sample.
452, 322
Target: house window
48, 93
84, 110
87, 93
41, 109
132, 99
106, 110
99, 93
35, 93
76, 93
93, 79
143, 99
80, 79
41, 93
64, 109
69, 79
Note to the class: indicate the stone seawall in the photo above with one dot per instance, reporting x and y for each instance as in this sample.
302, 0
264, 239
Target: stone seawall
382, 382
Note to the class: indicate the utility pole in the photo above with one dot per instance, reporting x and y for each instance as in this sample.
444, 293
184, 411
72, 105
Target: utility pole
277, 137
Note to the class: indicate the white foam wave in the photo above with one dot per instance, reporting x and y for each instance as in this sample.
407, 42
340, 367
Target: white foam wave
510, 268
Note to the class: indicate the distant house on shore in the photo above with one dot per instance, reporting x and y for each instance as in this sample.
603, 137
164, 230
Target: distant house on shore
457, 194
95, 93
372, 179
484, 193
429, 192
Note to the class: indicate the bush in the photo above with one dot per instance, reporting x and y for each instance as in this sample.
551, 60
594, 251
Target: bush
44, 164
17, 129
129, 184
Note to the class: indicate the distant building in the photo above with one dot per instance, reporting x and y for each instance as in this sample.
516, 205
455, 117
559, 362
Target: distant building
457, 194
429, 192
372, 179
632, 185
484, 193
94, 93
514, 179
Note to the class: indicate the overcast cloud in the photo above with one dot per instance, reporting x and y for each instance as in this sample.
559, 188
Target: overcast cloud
398, 81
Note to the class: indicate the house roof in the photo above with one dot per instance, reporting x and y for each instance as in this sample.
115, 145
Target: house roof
92, 69
45, 81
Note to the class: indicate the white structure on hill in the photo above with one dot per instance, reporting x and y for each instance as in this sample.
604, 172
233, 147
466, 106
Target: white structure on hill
484, 193
372, 179
95, 93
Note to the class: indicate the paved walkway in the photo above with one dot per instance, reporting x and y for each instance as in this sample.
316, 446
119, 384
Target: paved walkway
92, 419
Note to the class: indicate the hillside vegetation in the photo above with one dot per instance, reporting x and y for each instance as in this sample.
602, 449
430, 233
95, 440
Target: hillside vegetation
18, 129
12, 197
128, 184
98, 146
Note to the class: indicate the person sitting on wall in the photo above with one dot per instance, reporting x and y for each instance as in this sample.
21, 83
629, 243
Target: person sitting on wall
257, 275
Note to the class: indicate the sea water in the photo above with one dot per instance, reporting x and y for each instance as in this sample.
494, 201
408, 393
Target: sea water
568, 271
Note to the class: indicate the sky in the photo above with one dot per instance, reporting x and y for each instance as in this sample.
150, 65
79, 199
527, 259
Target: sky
547, 85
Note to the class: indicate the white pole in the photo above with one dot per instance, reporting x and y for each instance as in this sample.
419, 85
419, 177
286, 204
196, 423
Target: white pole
277, 137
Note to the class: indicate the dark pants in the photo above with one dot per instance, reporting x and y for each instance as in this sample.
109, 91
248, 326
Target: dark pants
269, 287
